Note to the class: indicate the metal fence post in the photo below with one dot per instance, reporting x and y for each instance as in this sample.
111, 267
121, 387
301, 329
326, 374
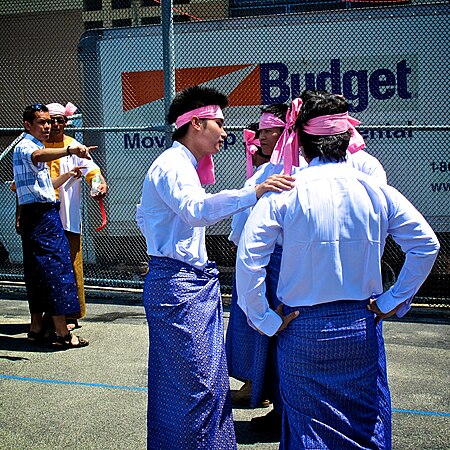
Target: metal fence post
168, 63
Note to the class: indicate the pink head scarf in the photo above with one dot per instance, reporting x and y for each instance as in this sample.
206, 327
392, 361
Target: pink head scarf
269, 120
336, 124
251, 147
56, 109
205, 168
287, 146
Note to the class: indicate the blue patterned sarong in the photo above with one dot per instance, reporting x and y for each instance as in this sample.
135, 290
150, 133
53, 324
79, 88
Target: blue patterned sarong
250, 355
48, 270
332, 378
189, 403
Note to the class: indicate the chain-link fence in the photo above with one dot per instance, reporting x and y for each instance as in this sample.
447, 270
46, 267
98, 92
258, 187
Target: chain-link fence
389, 59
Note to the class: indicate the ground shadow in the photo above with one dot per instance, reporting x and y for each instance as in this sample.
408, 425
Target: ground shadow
12, 329
246, 435
14, 358
12, 342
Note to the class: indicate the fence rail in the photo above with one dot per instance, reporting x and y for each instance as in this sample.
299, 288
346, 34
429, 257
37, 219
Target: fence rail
389, 59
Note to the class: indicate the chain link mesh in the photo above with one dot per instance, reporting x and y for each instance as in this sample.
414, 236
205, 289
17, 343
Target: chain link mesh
388, 58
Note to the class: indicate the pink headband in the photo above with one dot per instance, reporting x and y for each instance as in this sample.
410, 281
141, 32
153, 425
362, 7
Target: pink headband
204, 112
333, 124
205, 168
269, 120
251, 146
287, 146
56, 109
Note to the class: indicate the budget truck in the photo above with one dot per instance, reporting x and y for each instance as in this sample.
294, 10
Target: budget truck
390, 63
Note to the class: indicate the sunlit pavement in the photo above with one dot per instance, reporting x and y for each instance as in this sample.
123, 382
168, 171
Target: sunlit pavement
95, 397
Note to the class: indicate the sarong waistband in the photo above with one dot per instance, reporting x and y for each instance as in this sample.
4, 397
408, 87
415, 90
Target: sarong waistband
327, 308
209, 270
40, 207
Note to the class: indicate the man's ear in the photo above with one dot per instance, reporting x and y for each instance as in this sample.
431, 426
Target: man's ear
27, 125
196, 122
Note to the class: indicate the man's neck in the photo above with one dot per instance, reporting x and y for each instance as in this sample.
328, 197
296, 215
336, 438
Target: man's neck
189, 143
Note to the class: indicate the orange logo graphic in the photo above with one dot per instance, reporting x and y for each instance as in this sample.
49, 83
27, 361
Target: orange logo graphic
140, 88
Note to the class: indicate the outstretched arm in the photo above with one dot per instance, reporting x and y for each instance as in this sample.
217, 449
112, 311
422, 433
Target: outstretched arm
50, 154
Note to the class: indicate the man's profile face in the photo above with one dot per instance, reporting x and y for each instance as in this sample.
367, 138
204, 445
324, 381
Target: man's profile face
268, 137
40, 128
212, 135
58, 126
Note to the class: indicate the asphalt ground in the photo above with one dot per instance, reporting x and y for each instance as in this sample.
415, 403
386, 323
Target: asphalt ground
95, 397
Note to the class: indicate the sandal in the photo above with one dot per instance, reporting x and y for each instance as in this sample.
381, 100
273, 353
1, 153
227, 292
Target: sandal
36, 336
65, 342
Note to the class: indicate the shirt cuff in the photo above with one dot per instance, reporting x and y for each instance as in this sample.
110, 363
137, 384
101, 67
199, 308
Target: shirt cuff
270, 324
387, 302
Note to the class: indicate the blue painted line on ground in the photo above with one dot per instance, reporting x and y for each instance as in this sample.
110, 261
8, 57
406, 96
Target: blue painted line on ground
77, 383
423, 413
134, 388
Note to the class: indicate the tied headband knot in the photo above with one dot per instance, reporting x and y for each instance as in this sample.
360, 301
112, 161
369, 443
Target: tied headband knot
287, 146
251, 147
205, 168
336, 124
56, 109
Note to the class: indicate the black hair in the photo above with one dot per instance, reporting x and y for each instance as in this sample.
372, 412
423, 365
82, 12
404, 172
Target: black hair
254, 126
277, 109
29, 112
331, 148
193, 98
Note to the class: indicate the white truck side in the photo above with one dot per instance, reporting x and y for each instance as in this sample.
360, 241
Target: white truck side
390, 63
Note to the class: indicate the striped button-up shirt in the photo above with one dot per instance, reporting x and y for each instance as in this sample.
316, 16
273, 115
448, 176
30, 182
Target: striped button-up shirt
33, 182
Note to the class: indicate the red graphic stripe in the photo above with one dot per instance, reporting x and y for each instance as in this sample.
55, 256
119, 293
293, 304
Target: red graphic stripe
140, 88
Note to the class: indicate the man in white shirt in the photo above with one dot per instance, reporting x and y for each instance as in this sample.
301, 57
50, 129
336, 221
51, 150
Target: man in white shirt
333, 226
188, 400
70, 195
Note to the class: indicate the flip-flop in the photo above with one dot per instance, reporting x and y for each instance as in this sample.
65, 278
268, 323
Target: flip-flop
65, 342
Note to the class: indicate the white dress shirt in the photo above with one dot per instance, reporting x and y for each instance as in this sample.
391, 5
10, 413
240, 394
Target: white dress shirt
70, 209
262, 173
368, 164
174, 208
360, 160
333, 226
